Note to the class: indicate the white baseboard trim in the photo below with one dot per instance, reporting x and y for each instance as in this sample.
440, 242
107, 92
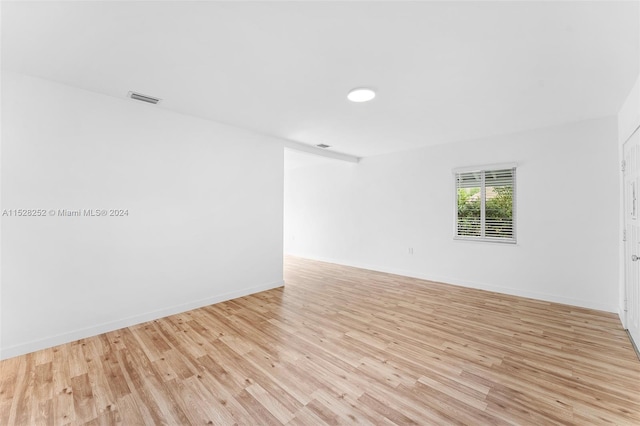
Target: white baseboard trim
469, 284
71, 336
623, 317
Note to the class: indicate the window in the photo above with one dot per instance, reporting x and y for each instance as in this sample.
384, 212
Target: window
485, 204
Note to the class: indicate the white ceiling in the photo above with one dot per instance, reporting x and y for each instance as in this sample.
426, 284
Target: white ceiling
444, 71
294, 159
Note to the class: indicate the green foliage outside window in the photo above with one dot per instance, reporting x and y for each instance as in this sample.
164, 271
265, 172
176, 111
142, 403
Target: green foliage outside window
469, 205
498, 212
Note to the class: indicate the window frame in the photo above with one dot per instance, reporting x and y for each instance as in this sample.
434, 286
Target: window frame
483, 169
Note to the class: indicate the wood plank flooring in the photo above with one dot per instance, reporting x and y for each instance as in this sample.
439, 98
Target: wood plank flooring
339, 345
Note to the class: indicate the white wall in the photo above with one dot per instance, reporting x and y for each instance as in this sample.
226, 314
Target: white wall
205, 213
628, 122
370, 214
629, 115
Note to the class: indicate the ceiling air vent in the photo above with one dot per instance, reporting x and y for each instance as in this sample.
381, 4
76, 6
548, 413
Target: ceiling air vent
321, 145
143, 98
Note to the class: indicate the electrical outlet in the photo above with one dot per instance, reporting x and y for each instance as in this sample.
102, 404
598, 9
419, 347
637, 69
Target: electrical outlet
410, 250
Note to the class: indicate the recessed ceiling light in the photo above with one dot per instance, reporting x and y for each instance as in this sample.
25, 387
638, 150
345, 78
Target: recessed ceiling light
361, 94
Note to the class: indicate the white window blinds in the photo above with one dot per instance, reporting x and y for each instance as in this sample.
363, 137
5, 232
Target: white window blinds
485, 204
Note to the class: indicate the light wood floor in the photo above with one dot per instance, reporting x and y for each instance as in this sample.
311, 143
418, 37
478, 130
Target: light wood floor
339, 345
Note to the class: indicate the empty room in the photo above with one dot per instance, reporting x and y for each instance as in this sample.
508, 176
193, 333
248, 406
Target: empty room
319, 212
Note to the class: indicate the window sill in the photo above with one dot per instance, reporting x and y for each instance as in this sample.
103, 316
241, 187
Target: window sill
486, 240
